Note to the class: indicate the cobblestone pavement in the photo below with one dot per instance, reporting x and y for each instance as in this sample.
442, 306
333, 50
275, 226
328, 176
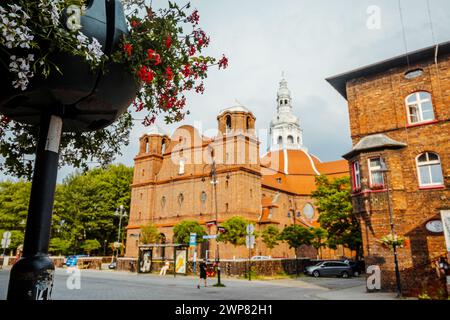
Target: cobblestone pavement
113, 285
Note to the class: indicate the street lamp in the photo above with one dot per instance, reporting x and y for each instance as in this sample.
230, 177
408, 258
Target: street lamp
121, 213
384, 170
214, 182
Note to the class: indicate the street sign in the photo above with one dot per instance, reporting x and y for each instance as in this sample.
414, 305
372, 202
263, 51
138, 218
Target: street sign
192, 240
6, 235
210, 237
250, 228
209, 224
250, 241
6, 240
221, 229
6, 243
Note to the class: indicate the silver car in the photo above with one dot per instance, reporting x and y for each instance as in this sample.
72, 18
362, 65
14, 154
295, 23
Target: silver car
330, 268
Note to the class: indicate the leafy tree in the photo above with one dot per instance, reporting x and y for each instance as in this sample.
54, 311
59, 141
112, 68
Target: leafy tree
296, 236
149, 234
90, 245
14, 199
85, 205
235, 231
318, 241
183, 230
333, 200
59, 246
16, 239
270, 237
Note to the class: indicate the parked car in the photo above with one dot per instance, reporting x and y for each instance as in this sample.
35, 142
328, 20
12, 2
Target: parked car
261, 258
71, 261
113, 265
357, 267
330, 268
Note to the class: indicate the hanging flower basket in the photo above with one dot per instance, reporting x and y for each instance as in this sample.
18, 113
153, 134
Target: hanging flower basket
83, 60
390, 241
67, 73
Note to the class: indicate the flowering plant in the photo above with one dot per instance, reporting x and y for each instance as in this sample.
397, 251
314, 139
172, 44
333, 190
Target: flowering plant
391, 240
165, 60
31, 30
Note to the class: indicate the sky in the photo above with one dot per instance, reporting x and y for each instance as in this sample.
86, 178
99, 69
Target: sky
309, 41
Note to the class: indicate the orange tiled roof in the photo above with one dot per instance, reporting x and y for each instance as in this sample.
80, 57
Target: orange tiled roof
294, 171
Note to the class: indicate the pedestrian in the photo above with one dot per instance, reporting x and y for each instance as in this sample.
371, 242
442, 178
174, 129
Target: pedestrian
164, 269
202, 269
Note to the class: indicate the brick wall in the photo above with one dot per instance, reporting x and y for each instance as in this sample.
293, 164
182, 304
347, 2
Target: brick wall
377, 105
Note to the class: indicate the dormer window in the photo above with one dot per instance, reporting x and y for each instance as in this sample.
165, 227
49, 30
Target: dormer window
419, 107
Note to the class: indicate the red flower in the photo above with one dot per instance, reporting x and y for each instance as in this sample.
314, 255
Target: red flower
192, 50
223, 63
168, 41
186, 71
128, 48
148, 121
194, 18
157, 59
200, 88
150, 54
135, 23
169, 73
146, 74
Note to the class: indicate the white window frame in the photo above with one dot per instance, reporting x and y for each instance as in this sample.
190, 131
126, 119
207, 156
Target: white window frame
373, 169
429, 163
419, 103
356, 175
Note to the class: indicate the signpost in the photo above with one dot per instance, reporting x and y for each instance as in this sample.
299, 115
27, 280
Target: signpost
250, 243
193, 244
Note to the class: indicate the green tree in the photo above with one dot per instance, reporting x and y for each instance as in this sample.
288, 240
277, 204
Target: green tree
149, 234
296, 236
271, 237
235, 231
90, 245
333, 200
183, 230
85, 205
14, 200
318, 241
59, 246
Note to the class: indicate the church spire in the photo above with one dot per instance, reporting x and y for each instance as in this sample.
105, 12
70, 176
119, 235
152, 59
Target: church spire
284, 96
285, 130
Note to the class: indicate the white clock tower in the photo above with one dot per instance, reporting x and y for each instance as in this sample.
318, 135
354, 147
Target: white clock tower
285, 132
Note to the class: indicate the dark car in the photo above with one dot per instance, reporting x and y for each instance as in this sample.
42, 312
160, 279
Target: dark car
329, 269
357, 267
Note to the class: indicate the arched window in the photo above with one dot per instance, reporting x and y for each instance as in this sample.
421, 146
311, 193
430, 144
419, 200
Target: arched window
419, 107
163, 201
228, 122
203, 197
280, 140
180, 199
163, 146
248, 123
308, 211
429, 170
285, 102
147, 146
290, 139
298, 140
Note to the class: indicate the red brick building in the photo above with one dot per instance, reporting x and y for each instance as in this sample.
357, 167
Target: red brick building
399, 115
172, 180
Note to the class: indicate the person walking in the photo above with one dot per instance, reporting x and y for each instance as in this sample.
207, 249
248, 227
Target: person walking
202, 273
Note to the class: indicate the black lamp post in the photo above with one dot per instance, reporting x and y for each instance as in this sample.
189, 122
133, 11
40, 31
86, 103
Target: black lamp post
384, 170
214, 183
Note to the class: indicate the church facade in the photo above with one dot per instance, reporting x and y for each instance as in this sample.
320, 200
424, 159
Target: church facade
173, 179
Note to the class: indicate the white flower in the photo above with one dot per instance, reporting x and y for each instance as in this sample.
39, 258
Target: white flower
21, 67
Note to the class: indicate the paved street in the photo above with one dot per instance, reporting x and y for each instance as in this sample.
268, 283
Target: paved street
111, 285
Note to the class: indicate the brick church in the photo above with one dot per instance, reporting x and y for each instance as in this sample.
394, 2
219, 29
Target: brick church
172, 178
399, 117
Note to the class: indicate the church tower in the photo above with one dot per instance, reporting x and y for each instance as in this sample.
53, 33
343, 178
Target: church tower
285, 131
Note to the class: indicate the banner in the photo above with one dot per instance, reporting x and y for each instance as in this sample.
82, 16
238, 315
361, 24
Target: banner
180, 264
445, 214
